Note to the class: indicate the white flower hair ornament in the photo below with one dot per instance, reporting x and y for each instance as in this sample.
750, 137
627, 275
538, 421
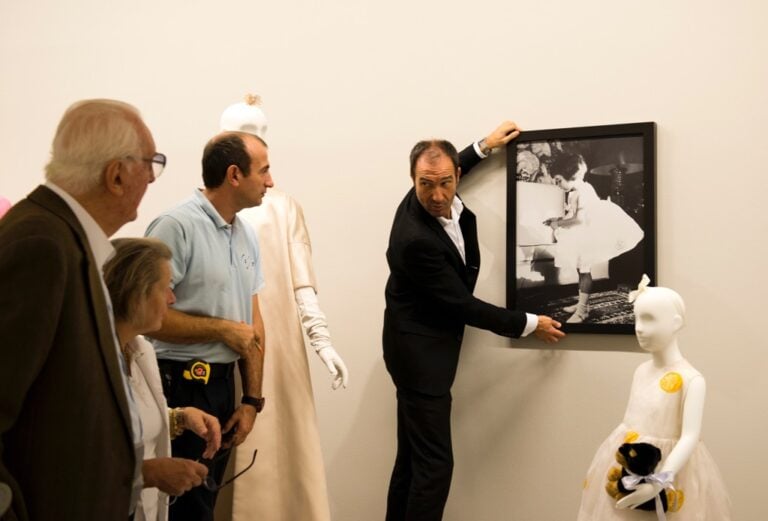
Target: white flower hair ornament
644, 281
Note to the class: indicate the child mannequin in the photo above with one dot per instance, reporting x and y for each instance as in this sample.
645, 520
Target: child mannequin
665, 409
591, 230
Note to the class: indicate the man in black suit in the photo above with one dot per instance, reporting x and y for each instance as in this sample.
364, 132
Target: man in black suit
434, 260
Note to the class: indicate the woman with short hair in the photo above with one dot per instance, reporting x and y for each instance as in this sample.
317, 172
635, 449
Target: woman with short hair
138, 277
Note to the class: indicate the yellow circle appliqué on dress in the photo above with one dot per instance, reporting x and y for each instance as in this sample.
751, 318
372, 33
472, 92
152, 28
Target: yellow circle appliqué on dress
671, 382
631, 437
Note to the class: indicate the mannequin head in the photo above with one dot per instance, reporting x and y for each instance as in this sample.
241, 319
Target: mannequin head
245, 116
659, 315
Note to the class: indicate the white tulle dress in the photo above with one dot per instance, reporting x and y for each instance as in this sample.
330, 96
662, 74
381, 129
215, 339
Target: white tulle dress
605, 231
654, 415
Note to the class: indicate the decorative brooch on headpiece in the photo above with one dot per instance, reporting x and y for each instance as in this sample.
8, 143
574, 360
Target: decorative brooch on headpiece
253, 99
640, 288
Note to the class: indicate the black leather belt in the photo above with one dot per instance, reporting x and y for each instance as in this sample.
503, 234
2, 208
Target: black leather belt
198, 370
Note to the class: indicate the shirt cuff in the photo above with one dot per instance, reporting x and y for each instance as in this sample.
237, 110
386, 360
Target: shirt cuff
476, 146
531, 324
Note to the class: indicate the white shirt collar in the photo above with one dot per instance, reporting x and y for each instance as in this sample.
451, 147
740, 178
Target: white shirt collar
452, 228
456, 208
102, 250
98, 241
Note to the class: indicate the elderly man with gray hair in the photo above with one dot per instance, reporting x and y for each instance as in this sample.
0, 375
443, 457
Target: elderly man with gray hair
71, 436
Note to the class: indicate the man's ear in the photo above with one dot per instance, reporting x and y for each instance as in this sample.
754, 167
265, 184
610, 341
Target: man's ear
458, 173
233, 175
114, 177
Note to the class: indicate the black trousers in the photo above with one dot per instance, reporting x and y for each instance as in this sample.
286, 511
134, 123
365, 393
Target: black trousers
421, 477
217, 397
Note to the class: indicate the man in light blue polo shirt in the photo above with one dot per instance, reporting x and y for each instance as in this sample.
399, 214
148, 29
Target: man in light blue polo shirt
215, 321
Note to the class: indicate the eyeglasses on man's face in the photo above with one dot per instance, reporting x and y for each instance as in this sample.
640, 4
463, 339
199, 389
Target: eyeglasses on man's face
157, 162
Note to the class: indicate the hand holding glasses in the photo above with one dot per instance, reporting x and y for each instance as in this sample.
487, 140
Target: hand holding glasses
210, 482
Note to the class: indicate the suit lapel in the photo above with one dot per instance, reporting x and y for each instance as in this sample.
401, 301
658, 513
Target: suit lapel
438, 229
434, 225
468, 225
108, 350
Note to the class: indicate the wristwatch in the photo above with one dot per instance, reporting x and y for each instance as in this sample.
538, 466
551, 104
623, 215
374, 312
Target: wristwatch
484, 148
258, 403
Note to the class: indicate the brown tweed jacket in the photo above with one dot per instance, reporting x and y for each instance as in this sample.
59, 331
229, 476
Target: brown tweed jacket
65, 440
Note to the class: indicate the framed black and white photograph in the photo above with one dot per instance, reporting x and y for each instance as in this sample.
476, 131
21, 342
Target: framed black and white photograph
581, 227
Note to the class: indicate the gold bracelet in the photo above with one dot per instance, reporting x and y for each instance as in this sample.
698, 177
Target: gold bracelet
175, 422
171, 422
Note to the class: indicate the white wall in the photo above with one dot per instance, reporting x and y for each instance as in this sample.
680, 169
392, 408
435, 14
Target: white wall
349, 86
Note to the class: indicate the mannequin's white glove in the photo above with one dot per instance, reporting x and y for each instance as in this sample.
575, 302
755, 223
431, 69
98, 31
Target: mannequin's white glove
335, 365
316, 327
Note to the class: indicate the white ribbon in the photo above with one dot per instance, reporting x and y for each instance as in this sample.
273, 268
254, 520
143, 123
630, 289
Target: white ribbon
664, 479
644, 281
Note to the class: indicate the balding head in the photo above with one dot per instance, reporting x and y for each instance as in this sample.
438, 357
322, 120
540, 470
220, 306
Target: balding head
92, 133
435, 173
431, 150
226, 149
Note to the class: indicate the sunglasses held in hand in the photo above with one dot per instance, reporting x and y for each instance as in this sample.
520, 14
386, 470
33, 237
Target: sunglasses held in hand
209, 482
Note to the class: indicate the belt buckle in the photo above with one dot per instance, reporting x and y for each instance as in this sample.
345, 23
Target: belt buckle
197, 371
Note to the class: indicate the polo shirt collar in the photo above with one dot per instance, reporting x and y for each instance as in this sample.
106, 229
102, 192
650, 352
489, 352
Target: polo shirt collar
210, 210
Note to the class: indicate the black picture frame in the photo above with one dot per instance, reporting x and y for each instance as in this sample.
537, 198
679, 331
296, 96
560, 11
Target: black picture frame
543, 275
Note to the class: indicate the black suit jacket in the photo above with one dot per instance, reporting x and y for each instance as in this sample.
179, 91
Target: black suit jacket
429, 296
66, 446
